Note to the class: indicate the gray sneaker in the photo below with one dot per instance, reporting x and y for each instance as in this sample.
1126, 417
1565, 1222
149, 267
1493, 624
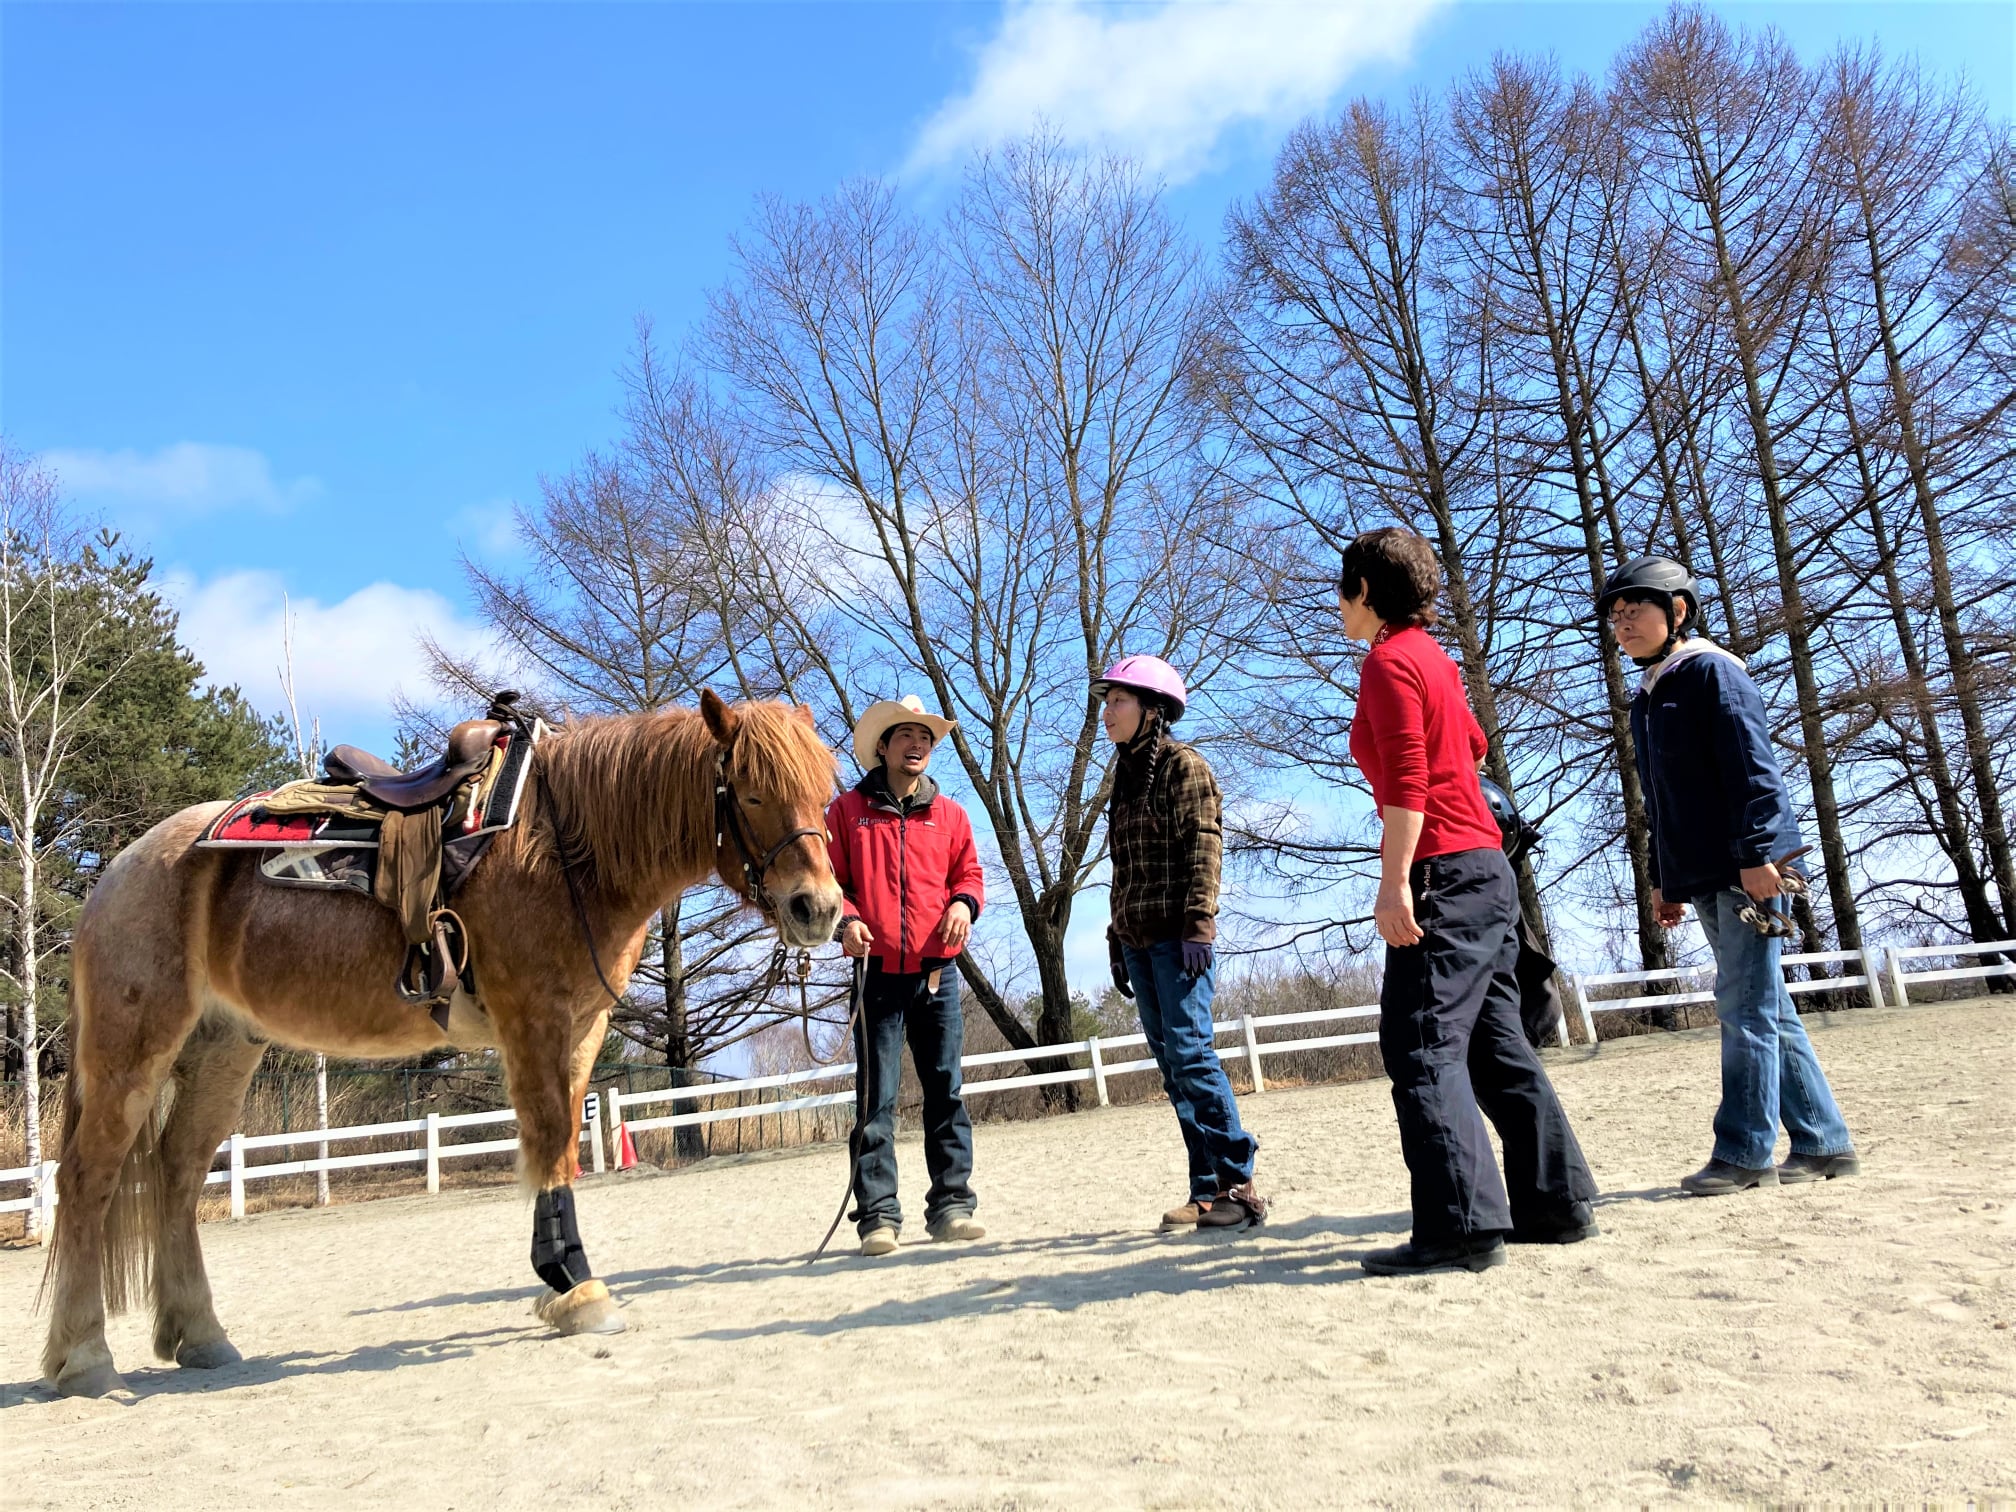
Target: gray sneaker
1799, 1168
1718, 1178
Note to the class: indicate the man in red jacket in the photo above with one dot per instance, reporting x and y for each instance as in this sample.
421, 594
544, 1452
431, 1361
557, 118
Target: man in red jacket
903, 854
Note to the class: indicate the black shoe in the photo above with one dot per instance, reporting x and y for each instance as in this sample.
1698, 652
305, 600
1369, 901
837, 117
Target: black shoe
1477, 1253
1799, 1168
1577, 1224
1718, 1178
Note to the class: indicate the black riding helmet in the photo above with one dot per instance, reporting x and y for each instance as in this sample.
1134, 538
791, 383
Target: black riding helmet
1658, 580
1517, 836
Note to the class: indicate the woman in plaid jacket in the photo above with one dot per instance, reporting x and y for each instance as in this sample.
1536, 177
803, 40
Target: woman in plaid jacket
1164, 831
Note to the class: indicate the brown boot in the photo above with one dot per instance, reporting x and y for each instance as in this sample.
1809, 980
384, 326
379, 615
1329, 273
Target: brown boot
1241, 1207
1187, 1216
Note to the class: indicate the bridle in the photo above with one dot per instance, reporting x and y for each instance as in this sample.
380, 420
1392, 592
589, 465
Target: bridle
728, 830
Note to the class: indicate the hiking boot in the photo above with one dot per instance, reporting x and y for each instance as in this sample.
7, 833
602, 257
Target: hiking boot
879, 1241
1572, 1227
1799, 1168
1475, 1252
1718, 1178
1240, 1207
1187, 1216
955, 1226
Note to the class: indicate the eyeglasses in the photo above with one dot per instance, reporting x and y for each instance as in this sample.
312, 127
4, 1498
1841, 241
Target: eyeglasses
1628, 609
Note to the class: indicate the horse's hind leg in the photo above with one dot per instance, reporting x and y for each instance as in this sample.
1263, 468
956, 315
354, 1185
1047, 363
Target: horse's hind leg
211, 1075
104, 1218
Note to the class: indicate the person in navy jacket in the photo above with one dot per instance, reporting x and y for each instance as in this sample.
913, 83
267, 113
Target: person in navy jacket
904, 857
1722, 830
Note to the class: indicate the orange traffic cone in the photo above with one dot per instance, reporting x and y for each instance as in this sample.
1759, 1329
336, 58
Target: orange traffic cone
626, 1152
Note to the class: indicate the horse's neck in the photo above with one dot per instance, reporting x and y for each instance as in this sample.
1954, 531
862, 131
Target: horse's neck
650, 827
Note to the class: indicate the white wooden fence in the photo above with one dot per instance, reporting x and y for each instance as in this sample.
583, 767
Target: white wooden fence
608, 1115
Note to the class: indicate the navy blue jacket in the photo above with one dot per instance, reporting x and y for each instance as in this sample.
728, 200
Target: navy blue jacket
1713, 792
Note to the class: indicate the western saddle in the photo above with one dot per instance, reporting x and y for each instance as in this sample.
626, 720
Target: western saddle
469, 745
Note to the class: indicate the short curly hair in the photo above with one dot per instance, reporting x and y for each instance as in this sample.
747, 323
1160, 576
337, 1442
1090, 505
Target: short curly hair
1399, 572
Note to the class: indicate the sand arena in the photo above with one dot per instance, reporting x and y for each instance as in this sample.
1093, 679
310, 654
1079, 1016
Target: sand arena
1852, 1341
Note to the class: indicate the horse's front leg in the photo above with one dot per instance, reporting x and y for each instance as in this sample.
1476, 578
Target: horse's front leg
546, 1088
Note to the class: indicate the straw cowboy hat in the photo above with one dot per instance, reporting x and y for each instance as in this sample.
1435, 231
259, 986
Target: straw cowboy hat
882, 717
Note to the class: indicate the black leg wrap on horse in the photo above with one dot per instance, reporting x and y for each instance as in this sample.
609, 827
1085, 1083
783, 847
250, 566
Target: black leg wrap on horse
556, 1242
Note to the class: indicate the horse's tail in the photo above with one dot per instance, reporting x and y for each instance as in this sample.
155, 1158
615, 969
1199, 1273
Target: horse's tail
132, 1222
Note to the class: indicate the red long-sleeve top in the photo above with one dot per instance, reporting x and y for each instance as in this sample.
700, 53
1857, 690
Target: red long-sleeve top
1417, 742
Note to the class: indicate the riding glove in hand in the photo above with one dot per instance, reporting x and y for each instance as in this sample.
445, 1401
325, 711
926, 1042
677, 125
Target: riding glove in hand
1196, 958
1119, 962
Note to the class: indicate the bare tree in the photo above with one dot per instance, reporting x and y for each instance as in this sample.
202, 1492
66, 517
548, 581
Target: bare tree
984, 425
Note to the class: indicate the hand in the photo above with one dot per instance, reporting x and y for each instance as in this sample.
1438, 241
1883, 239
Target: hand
1761, 882
1669, 915
1121, 984
1393, 914
956, 926
855, 938
1196, 958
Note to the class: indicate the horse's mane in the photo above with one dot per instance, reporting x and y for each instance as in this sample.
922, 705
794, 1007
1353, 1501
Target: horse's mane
630, 797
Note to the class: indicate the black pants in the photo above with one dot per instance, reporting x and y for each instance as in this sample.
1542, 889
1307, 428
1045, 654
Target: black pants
899, 1007
1450, 1033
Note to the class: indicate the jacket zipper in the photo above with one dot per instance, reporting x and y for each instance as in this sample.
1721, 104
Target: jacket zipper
902, 909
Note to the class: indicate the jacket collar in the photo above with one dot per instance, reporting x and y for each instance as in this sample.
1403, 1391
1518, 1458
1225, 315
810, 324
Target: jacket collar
1693, 646
874, 786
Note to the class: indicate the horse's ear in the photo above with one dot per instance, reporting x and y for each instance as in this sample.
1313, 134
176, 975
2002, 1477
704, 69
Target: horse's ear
803, 714
722, 721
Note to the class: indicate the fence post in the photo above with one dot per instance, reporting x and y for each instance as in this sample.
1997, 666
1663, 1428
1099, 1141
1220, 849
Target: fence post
1582, 1004
594, 1122
1253, 1052
1897, 979
612, 1107
237, 1175
1875, 976
45, 1195
433, 1152
1098, 1070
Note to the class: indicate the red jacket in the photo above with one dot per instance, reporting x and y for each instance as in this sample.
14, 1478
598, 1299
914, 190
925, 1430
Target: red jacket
1415, 738
900, 867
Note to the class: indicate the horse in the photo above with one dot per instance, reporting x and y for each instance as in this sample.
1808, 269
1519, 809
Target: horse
186, 965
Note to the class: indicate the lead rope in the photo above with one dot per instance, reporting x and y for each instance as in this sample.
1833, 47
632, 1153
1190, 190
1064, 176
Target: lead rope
857, 997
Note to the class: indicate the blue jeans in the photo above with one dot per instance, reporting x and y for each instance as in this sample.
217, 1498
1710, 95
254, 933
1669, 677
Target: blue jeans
1769, 1070
1176, 1017
896, 1007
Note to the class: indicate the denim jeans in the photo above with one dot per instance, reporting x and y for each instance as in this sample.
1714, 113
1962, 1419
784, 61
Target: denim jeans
900, 1006
1769, 1071
1454, 1046
1176, 1017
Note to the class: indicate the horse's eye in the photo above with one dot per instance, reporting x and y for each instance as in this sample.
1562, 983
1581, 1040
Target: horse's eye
753, 802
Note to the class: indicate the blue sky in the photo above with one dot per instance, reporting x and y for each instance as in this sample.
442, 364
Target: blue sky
278, 281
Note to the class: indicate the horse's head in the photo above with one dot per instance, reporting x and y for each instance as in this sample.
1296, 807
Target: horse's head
772, 815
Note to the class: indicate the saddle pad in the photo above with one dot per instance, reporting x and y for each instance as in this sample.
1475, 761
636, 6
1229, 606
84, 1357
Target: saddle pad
247, 823
494, 804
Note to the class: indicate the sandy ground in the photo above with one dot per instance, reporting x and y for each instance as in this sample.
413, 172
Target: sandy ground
1850, 1341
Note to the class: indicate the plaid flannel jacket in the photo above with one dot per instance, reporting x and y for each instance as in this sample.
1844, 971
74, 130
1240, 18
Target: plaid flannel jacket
1167, 843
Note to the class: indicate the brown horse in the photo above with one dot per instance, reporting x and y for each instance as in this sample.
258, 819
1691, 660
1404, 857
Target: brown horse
186, 965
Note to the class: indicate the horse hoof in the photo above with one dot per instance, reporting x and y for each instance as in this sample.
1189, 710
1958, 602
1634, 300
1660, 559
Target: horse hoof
587, 1309
211, 1356
89, 1378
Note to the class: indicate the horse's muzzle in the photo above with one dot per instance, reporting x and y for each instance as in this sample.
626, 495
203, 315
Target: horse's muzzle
808, 916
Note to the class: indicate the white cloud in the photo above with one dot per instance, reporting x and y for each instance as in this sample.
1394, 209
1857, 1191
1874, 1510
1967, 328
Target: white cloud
189, 478
1164, 83
487, 530
350, 657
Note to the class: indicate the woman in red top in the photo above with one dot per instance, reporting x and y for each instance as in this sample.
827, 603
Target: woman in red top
1448, 911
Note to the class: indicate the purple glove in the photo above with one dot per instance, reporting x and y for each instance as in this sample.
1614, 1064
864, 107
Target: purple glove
1119, 963
1196, 958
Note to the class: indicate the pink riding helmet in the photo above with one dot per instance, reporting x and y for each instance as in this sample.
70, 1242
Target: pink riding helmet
1146, 674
